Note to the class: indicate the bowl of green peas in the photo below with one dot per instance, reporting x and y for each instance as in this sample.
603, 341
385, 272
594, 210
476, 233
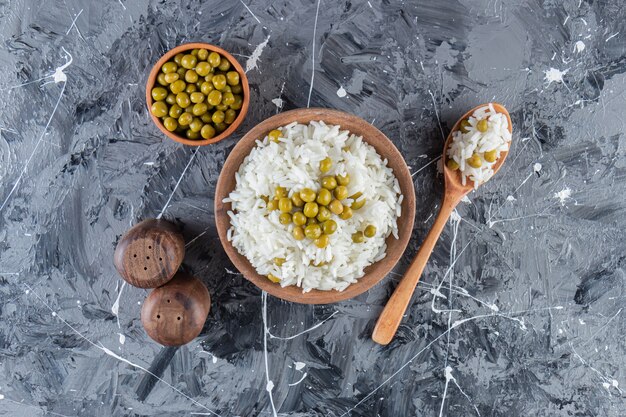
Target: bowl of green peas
197, 94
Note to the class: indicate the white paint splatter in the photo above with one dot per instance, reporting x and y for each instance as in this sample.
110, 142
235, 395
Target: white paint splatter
511, 198
455, 217
563, 195
253, 15
252, 62
59, 75
214, 360
579, 46
466, 200
537, 167
341, 92
299, 365
611, 37
293, 384
278, 102
581, 321
115, 308
1, 397
554, 75
122, 338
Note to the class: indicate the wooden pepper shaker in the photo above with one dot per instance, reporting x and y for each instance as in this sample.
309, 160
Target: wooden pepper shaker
149, 254
175, 313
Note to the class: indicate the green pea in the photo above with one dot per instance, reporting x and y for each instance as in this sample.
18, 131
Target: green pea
209, 77
330, 183
336, 207
464, 126
170, 77
299, 219
280, 192
323, 197
229, 116
178, 58
175, 111
203, 54
313, 231
357, 204
159, 93
284, 218
297, 233
296, 200
221, 107
238, 102
311, 220
343, 179
370, 231
181, 71
453, 165
228, 98
188, 61
322, 241
274, 135
474, 161
194, 52
191, 76
162, 79
159, 108
191, 134
203, 68
232, 77
207, 131
190, 88
219, 81
206, 117
224, 65
220, 127
491, 156
272, 205
273, 278
329, 227
323, 214
482, 125
199, 109
214, 98
341, 192
307, 195
214, 59
311, 209
346, 213
178, 86
279, 261
169, 67
170, 124
170, 99
236, 89
206, 87
325, 165
218, 117
285, 205
196, 97
182, 99
358, 237
196, 125
185, 119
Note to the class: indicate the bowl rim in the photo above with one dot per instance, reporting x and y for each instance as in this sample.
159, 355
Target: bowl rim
373, 273
151, 81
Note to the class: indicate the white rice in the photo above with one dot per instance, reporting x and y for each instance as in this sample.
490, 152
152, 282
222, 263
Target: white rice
293, 163
464, 145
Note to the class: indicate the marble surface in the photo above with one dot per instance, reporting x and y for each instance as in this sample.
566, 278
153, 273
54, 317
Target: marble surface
520, 311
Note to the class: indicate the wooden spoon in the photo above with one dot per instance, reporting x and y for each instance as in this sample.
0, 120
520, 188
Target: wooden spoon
389, 320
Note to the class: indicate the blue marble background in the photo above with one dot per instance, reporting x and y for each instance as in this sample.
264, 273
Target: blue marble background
520, 311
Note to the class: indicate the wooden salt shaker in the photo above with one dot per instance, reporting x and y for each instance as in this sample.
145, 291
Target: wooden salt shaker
149, 254
174, 314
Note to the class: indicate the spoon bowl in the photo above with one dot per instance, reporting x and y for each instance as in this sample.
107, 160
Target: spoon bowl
392, 314
452, 178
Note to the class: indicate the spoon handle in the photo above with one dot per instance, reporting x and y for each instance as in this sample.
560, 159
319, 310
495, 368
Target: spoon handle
390, 318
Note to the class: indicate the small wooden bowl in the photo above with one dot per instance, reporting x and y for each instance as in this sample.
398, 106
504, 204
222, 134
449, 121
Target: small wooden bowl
174, 314
244, 84
385, 148
150, 253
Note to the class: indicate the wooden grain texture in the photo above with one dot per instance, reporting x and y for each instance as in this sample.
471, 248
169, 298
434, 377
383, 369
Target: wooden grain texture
242, 77
395, 247
150, 253
175, 313
392, 314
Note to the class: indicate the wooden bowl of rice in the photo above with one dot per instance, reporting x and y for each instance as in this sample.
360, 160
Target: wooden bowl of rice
375, 272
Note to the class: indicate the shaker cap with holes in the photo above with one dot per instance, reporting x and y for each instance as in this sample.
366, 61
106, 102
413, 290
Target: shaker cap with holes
149, 254
174, 314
